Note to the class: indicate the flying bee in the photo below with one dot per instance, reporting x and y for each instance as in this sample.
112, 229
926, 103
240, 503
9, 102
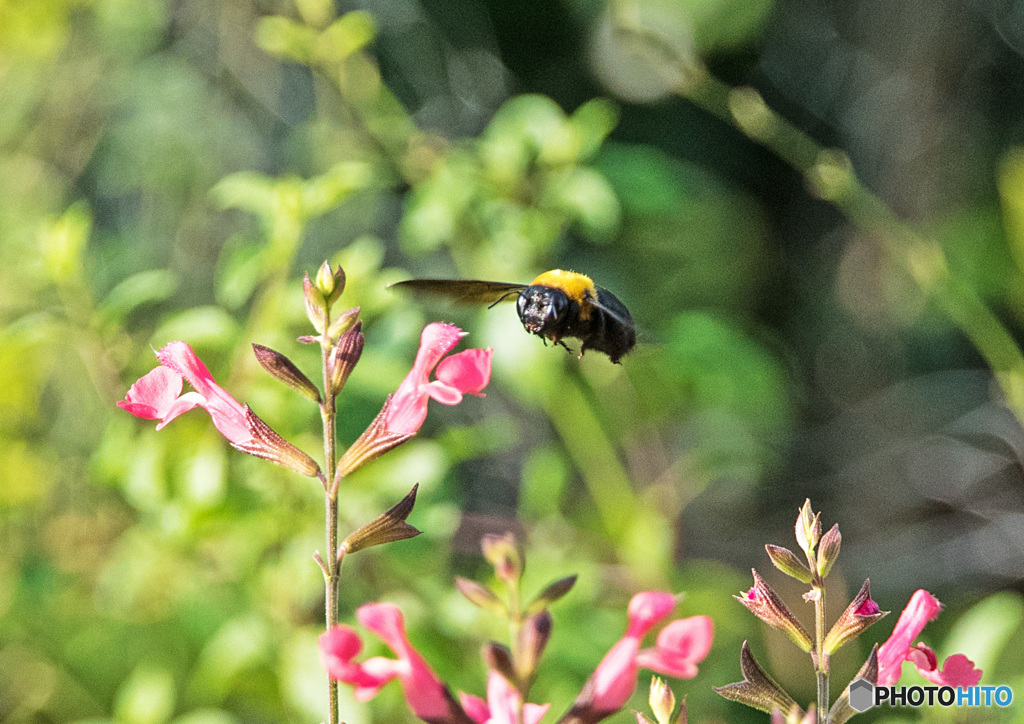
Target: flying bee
555, 305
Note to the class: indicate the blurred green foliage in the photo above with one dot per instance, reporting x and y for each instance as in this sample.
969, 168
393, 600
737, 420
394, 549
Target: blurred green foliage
169, 170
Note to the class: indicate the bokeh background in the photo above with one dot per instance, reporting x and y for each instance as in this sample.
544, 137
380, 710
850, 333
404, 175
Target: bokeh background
169, 169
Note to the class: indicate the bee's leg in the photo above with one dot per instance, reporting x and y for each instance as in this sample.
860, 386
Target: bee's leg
566, 347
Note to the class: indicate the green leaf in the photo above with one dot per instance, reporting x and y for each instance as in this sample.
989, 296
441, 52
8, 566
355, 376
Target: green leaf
63, 242
346, 35
246, 190
983, 632
286, 39
200, 326
593, 121
137, 290
240, 271
322, 193
147, 697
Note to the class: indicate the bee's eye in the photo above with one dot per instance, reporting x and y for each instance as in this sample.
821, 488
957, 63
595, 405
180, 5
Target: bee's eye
556, 307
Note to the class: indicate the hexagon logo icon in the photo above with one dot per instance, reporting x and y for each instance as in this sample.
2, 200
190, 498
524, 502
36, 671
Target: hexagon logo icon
862, 695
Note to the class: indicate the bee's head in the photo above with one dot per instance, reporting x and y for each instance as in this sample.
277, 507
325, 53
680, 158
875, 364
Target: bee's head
542, 309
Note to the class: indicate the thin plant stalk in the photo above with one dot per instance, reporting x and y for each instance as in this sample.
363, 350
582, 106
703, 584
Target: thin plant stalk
332, 562
831, 175
821, 662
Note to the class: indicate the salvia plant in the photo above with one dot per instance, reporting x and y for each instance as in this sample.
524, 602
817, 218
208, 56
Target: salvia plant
158, 396
884, 664
513, 667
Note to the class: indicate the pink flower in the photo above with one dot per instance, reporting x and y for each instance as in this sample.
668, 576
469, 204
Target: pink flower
501, 705
463, 373
680, 647
157, 395
338, 647
425, 693
958, 670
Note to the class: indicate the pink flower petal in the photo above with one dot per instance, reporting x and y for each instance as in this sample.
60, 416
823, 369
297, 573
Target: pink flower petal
502, 699
475, 707
445, 394
227, 414
153, 394
923, 607
465, 372
337, 649
647, 608
468, 371
374, 673
614, 678
180, 406
533, 713
958, 670
424, 691
681, 646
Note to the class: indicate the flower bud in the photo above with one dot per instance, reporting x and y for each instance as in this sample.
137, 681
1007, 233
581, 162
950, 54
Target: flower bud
498, 658
268, 445
808, 528
345, 356
533, 638
500, 551
481, 596
285, 370
757, 690
316, 305
330, 283
343, 322
828, 550
861, 613
809, 717
764, 603
552, 593
787, 562
385, 528
661, 700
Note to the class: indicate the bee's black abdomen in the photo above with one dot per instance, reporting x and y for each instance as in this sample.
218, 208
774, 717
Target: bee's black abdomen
614, 333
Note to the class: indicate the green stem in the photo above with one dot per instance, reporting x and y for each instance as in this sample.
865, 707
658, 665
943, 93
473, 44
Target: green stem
328, 414
831, 175
821, 665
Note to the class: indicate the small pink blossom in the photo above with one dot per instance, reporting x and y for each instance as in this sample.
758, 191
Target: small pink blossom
157, 395
425, 693
867, 608
501, 705
958, 670
467, 372
680, 647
